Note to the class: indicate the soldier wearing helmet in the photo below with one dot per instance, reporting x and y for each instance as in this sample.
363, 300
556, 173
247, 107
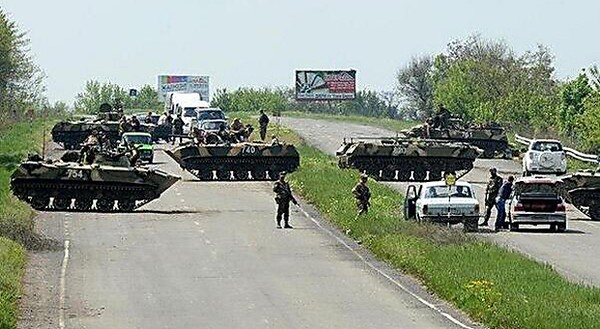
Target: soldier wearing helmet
283, 196
362, 194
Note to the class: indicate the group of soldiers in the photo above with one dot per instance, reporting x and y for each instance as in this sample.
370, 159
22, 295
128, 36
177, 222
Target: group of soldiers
128, 125
97, 142
237, 132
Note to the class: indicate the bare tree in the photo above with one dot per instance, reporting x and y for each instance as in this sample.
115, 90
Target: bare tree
414, 87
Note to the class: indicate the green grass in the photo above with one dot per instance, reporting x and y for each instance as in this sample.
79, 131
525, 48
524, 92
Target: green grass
391, 124
497, 287
12, 267
575, 165
16, 218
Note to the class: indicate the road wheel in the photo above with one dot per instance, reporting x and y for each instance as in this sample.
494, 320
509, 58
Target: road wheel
403, 175
83, 204
105, 204
126, 204
40, 202
61, 204
420, 175
224, 175
513, 227
241, 174
562, 227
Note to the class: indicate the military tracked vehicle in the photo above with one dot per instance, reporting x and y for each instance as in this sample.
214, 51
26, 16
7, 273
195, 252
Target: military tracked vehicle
583, 191
71, 134
400, 159
491, 138
108, 184
237, 161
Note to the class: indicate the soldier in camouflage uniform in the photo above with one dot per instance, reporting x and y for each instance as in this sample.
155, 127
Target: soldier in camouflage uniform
362, 194
491, 192
283, 196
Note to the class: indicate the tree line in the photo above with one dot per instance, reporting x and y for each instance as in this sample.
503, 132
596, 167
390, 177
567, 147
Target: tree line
22, 89
366, 103
95, 93
486, 80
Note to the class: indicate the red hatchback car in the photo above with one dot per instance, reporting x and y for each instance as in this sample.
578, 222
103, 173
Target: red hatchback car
537, 200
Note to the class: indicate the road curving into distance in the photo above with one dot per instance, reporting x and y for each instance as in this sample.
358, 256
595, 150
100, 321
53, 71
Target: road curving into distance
573, 253
208, 255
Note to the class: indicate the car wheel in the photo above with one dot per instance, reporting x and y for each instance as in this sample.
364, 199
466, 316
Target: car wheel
562, 227
513, 227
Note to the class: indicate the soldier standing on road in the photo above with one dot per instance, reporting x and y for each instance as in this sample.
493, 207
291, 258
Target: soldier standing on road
283, 196
362, 194
503, 195
491, 192
178, 128
263, 122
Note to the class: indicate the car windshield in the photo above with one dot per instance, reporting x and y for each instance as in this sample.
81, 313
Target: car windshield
546, 146
189, 112
458, 191
211, 115
138, 139
212, 125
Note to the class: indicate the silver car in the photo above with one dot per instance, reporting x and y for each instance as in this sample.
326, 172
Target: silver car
537, 201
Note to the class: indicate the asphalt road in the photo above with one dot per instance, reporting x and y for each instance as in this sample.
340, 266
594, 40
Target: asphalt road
572, 253
208, 255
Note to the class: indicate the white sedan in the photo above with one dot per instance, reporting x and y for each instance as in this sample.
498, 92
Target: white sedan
437, 202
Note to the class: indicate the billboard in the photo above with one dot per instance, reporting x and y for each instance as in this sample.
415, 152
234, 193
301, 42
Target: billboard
183, 83
325, 85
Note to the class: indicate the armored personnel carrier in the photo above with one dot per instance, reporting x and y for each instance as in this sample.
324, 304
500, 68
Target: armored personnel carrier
71, 134
400, 159
108, 184
491, 138
237, 161
583, 191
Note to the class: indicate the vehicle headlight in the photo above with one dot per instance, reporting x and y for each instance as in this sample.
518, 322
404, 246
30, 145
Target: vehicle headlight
476, 209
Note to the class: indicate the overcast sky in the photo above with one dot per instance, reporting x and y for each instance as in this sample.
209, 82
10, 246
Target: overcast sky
261, 42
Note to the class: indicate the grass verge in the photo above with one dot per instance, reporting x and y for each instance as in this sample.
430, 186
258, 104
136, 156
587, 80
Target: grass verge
497, 287
391, 124
16, 218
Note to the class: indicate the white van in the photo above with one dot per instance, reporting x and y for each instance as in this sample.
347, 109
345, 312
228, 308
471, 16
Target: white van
187, 105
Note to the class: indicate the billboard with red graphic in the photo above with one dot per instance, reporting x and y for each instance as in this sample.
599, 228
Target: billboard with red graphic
325, 85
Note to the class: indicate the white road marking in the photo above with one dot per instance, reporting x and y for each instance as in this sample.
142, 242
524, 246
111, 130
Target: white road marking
385, 275
63, 283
